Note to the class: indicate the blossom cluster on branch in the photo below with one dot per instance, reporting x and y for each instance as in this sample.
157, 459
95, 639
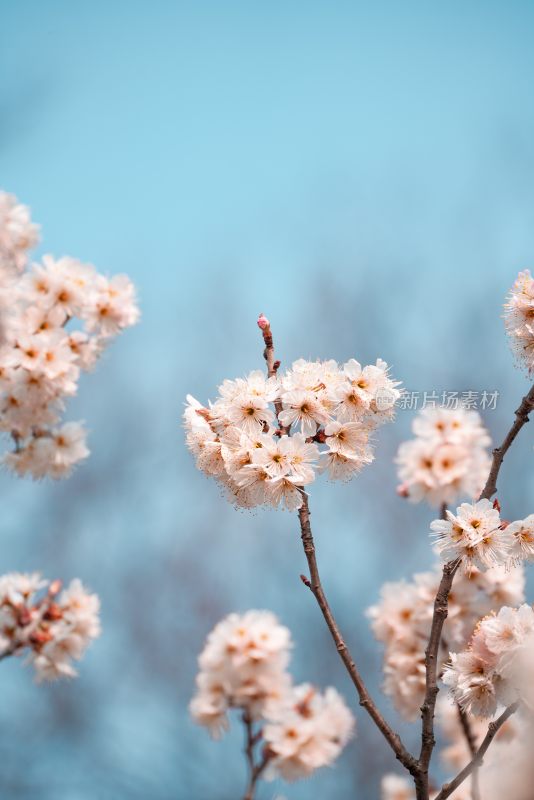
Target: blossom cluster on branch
507, 770
244, 666
519, 319
53, 627
448, 458
477, 535
264, 439
243, 438
496, 667
18, 234
57, 317
403, 618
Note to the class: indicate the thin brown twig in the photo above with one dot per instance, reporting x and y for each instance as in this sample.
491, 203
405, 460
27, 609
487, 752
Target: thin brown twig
254, 770
442, 598
521, 418
315, 586
470, 738
428, 708
467, 729
431, 668
448, 788
272, 364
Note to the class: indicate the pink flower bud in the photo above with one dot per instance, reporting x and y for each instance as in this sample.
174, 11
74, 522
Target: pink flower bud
53, 612
402, 490
263, 322
40, 637
54, 588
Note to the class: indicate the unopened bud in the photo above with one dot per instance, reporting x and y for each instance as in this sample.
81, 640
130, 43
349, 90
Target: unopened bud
402, 490
263, 322
40, 637
53, 612
55, 587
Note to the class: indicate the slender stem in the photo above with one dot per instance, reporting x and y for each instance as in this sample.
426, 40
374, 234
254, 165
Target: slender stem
254, 770
431, 667
428, 708
467, 730
314, 584
268, 353
448, 788
442, 597
272, 366
521, 418
470, 738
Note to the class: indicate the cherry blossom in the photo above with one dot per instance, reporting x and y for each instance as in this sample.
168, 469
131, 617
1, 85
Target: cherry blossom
53, 628
265, 439
57, 316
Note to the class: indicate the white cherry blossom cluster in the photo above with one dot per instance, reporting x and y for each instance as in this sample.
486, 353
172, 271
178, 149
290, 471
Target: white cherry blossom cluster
403, 618
497, 777
244, 666
59, 317
477, 536
447, 459
519, 319
18, 234
53, 627
522, 531
306, 731
455, 752
505, 771
264, 438
496, 668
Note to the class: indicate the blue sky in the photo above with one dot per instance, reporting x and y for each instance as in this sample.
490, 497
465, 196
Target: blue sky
363, 174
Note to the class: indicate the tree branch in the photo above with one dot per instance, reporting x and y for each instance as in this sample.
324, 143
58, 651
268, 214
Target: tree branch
431, 666
418, 768
272, 365
521, 418
428, 709
254, 770
470, 738
442, 596
314, 584
493, 728
467, 729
